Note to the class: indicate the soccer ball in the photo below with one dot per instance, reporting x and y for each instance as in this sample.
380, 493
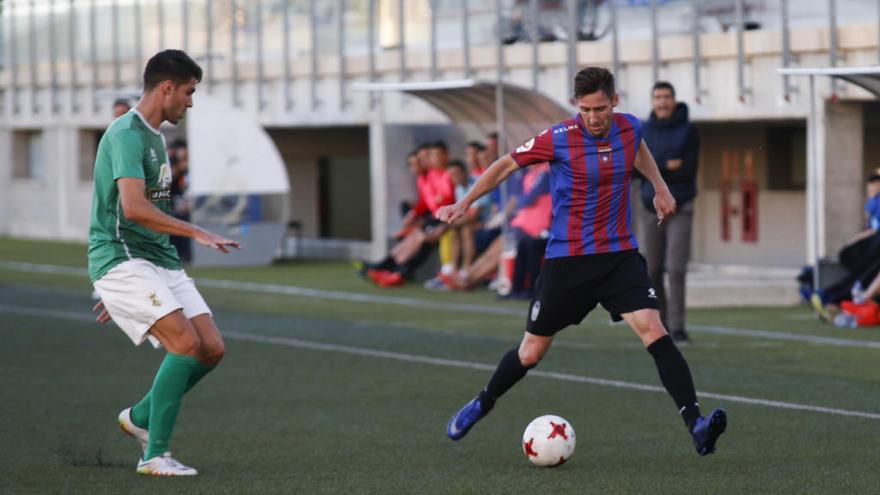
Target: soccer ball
548, 441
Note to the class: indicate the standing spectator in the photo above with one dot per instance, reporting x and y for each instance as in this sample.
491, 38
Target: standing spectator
120, 107
179, 204
675, 144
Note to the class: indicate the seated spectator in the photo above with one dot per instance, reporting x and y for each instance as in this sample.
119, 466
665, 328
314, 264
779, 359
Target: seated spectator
464, 247
527, 228
438, 154
420, 231
860, 256
475, 158
530, 227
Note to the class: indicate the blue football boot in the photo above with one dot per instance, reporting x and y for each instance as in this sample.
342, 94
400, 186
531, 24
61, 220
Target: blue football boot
707, 430
465, 419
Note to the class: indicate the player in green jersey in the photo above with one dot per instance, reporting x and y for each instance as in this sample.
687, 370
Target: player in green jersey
134, 268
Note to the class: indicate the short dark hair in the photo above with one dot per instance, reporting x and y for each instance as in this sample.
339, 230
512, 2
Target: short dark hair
591, 79
174, 65
441, 145
663, 85
875, 175
121, 101
476, 144
457, 163
492, 135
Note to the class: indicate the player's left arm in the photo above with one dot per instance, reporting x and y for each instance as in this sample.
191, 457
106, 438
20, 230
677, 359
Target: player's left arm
664, 203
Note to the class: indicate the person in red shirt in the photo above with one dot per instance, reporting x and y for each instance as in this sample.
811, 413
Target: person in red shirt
420, 231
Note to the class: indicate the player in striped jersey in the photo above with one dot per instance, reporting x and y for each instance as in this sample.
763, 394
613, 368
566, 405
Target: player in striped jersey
592, 255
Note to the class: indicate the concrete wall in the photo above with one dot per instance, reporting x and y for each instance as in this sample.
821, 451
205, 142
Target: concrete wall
54, 207
346, 153
58, 207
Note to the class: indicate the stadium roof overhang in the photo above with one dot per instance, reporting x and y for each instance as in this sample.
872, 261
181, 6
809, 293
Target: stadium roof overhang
864, 77
471, 104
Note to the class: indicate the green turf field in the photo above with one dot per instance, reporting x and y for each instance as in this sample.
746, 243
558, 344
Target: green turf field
323, 393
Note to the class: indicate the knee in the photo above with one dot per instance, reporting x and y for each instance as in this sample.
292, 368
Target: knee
530, 356
189, 344
212, 353
654, 329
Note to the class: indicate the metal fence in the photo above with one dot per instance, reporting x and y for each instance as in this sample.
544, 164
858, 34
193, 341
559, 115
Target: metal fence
76, 43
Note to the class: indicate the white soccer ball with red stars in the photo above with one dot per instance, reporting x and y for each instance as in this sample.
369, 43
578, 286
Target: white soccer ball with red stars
548, 441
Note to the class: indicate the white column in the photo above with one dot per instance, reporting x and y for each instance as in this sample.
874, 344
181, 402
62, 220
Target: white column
842, 160
835, 181
378, 177
6, 165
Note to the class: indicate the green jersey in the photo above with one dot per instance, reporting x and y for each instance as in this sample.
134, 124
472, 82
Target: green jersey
129, 148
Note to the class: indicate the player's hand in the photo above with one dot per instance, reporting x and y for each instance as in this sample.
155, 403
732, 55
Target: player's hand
451, 213
215, 241
103, 316
664, 205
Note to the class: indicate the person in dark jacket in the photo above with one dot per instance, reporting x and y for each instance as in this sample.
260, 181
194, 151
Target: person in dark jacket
675, 144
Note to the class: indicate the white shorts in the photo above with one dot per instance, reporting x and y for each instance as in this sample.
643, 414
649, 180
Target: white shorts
137, 293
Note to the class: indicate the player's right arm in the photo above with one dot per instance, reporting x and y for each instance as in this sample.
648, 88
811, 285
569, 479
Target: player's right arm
494, 175
137, 208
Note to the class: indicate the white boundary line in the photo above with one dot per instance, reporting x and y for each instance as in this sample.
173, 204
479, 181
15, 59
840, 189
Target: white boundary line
452, 363
412, 302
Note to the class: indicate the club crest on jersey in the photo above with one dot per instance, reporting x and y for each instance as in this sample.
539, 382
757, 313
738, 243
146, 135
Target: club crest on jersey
536, 308
153, 157
526, 146
164, 176
163, 187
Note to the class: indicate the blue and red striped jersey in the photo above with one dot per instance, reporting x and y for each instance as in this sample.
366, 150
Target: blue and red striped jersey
590, 184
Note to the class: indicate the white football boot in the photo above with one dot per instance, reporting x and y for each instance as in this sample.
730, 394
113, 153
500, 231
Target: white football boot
132, 430
164, 465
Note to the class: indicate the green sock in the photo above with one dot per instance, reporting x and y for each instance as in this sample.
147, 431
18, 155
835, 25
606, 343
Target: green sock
165, 398
140, 412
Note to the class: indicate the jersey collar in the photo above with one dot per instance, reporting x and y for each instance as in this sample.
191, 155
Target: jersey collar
588, 135
144, 120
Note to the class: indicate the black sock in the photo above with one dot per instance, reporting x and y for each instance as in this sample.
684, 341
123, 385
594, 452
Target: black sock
386, 264
410, 265
509, 371
676, 377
